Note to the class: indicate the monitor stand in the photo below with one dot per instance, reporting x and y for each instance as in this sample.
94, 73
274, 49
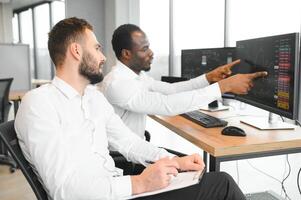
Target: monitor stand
214, 106
263, 124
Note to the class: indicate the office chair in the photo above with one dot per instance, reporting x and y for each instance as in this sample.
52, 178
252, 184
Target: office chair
4, 110
172, 79
9, 138
130, 168
4, 98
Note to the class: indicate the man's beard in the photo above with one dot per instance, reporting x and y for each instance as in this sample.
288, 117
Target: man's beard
86, 69
146, 69
138, 66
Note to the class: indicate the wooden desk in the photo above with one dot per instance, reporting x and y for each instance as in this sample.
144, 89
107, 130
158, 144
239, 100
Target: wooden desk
38, 82
15, 97
257, 143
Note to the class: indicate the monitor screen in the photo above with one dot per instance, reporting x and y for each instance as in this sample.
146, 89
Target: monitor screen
278, 55
195, 62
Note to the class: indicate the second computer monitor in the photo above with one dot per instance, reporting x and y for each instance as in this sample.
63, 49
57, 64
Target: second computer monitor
278, 55
195, 62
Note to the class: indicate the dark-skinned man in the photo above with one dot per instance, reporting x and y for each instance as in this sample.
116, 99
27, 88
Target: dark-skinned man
134, 94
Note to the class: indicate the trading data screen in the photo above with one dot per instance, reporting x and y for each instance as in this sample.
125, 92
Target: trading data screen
278, 55
196, 62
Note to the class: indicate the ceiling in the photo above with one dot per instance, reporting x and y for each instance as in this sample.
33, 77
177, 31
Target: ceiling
21, 3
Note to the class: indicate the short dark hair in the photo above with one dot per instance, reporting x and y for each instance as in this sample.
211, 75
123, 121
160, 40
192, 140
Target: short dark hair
122, 38
62, 34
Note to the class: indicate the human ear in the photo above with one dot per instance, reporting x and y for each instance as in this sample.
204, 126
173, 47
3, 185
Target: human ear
76, 50
126, 54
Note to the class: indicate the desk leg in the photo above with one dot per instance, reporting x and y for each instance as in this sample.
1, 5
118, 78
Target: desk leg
214, 164
205, 159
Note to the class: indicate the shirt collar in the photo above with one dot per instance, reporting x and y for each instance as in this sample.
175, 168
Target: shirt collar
125, 70
64, 87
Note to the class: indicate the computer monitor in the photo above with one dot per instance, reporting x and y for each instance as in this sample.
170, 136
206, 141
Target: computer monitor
195, 62
279, 91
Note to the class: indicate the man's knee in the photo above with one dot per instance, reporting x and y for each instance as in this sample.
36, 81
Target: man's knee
225, 177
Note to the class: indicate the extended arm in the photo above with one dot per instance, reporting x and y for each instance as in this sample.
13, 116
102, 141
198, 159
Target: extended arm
130, 95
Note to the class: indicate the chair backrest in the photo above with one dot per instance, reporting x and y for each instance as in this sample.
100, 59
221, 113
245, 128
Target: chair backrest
4, 95
172, 79
9, 138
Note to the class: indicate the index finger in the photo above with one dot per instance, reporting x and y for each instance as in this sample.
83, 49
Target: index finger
258, 74
230, 65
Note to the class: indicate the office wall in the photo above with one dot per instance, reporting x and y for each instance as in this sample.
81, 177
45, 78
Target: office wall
118, 12
6, 30
105, 16
92, 10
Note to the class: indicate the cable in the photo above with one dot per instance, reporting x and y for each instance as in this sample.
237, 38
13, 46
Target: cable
264, 172
237, 172
281, 118
298, 122
281, 182
284, 174
298, 181
289, 172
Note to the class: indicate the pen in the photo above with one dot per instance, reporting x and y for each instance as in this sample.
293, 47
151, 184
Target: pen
152, 162
149, 162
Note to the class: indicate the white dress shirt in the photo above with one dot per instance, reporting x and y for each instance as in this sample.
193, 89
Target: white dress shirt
134, 96
66, 137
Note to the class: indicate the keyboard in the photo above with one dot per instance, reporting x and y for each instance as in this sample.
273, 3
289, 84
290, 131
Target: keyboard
267, 195
204, 120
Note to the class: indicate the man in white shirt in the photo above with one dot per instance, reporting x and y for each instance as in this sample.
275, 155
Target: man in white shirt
133, 94
66, 127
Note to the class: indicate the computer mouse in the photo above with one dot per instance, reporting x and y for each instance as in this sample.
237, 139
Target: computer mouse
233, 131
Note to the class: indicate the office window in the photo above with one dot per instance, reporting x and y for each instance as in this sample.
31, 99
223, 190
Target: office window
41, 19
26, 34
256, 18
58, 11
15, 23
42, 27
197, 24
154, 21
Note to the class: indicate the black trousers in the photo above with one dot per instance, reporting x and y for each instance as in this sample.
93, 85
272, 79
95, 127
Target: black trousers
213, 186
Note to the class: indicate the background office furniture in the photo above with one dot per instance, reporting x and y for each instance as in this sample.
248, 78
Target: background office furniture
130, 168
221, 148
9, 138
16, 97
5, 105
172, 79
5, 85
15, 63
38, 82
